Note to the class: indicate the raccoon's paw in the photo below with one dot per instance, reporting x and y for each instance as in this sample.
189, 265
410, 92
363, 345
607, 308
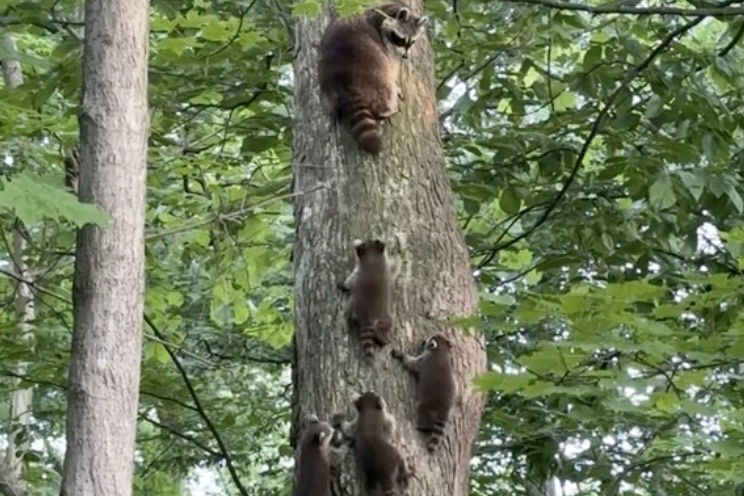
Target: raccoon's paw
397, 354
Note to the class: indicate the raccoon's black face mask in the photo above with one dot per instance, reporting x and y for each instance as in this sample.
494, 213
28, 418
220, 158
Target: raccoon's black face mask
402, 29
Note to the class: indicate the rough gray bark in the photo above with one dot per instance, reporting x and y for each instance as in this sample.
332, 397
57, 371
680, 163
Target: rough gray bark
19, 418
404, 197
109, 269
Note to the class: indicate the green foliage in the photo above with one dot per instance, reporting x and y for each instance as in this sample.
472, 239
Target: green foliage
611, 309
33, 198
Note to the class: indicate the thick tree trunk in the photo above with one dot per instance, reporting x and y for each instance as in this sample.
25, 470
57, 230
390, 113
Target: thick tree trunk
109, 270
404, 197
21, 398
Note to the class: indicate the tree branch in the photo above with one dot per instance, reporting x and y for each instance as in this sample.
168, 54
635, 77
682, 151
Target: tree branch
597, 126
642, 11
181, 435
232, 215
63, 387
224, 453
734, 41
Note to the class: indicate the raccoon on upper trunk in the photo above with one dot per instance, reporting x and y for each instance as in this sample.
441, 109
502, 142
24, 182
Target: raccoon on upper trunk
359, 65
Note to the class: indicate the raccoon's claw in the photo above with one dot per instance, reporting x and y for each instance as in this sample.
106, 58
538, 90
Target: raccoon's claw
397, 354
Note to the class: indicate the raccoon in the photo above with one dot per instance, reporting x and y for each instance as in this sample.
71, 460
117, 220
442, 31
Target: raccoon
359, 64
436, 387
315, 459
368, 305
382, 466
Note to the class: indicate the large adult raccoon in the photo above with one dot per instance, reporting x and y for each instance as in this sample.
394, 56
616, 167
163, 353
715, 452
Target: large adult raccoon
359, 66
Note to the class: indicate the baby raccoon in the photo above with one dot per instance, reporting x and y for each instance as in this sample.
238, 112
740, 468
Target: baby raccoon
359, 65
382, 466
368, 306
435, 385
316, 456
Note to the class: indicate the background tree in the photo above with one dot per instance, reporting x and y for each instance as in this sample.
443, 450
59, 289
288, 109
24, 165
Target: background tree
12, 482
405, 199
109, 265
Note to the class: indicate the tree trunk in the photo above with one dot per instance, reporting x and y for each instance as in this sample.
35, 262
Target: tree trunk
404, 198
19, 410
543, 488
109, 268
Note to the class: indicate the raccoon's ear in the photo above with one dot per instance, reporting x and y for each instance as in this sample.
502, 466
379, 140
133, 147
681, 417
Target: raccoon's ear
358, 403
432, 344
360, 249
379, 403
320, 437
422, 21
378, 246
402, 14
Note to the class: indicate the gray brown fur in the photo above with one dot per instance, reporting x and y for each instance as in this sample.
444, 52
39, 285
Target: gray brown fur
359, 65
314, 462
383, 469
435, 387
368, 306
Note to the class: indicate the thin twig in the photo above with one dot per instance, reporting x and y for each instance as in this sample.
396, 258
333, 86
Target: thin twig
597, 126
237, 31
734, 41
181, 435
224, 453
231, 215
624, 9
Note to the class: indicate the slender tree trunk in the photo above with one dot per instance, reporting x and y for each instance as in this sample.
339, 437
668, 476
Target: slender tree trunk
109, 268
404, 197
544, 488
21, 398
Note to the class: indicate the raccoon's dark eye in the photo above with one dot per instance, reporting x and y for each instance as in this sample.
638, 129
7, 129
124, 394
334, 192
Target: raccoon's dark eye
397, 40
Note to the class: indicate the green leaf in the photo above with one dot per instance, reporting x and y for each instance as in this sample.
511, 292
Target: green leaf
306, 8
506, 383
157, 352
666, 402
694, 182
510, 201
33, 198
661, 193
216, 31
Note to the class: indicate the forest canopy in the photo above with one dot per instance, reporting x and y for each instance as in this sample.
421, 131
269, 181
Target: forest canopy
596, 155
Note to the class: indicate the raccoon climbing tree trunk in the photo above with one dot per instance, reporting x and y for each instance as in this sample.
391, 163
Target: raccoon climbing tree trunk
108, 289
404, 198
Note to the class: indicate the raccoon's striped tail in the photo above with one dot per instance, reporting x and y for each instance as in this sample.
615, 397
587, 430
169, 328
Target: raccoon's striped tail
363, 125
434, 434
368, 336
